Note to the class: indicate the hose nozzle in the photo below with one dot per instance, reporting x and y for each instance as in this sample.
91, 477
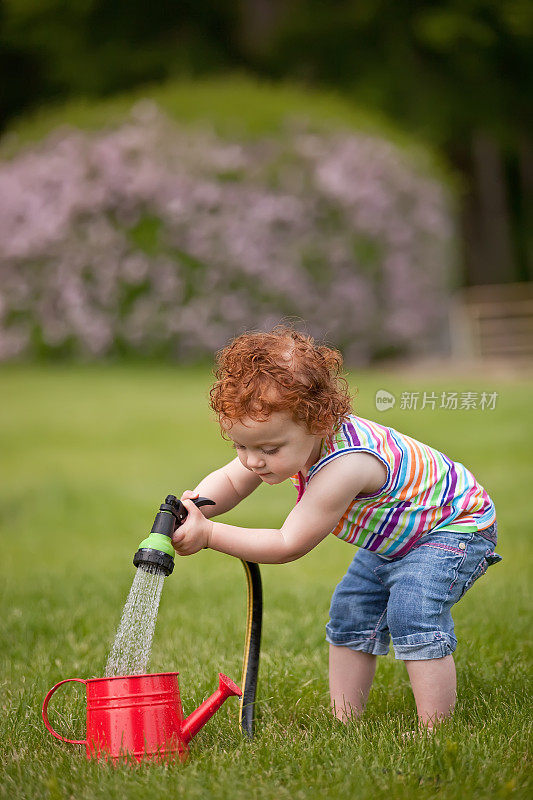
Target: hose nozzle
155, 553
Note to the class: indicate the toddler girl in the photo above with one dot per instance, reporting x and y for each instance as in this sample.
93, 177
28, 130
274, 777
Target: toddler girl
425, 529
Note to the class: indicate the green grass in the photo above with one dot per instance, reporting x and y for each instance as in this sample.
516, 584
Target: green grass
87, 455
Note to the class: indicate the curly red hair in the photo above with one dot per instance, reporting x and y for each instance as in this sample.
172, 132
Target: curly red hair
284, 370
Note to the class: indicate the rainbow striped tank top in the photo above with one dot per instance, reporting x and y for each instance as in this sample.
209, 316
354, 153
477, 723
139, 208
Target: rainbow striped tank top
424, 491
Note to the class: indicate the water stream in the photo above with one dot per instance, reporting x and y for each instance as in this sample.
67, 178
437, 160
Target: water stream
131, 649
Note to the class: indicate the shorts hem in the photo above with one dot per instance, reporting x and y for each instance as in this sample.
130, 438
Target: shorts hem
424, 646
373, 646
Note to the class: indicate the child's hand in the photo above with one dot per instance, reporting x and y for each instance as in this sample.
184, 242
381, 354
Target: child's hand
194, 533
189, 494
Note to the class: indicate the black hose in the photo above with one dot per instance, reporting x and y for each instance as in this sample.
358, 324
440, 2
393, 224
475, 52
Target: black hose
252, 644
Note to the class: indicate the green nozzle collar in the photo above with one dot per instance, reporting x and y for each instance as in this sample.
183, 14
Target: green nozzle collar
158, 541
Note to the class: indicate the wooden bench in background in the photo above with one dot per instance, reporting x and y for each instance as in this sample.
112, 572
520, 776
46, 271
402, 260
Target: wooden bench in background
493, 321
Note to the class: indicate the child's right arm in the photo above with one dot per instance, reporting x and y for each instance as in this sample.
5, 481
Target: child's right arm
227, 486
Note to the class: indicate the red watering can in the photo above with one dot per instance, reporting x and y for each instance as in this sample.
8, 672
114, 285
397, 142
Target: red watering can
140, 716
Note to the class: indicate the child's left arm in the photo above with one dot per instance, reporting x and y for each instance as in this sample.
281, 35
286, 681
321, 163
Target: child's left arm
324, 502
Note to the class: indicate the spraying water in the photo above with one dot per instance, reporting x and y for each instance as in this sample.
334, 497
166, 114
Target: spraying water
131, 649
154, 561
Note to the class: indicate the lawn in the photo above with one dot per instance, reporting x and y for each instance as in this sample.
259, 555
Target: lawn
89, 452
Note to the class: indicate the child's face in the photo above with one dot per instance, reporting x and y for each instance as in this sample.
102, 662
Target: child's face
274, 449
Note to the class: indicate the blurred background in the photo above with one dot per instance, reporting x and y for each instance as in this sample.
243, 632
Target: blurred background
172, 173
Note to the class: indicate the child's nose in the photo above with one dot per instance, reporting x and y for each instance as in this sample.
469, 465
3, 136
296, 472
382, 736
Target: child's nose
255, 460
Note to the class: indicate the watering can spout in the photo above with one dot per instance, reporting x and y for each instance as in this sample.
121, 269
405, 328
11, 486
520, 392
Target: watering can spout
204, 712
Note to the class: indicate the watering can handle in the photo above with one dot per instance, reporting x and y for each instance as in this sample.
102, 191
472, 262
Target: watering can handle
45, 715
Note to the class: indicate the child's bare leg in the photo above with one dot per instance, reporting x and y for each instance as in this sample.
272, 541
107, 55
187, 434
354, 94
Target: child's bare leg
434, 686
351, 673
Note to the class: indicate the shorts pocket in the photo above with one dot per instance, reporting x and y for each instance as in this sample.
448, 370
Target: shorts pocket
488, 559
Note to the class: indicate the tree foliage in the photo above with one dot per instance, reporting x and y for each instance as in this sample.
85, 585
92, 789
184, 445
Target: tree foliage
457, 72
446, 67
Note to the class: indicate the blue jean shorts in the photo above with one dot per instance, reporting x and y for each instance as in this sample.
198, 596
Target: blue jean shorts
409, 599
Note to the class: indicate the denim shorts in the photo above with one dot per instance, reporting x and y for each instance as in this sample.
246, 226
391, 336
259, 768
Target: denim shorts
409, 599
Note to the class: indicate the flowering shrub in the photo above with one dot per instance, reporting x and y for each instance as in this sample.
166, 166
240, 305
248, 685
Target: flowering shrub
155, 239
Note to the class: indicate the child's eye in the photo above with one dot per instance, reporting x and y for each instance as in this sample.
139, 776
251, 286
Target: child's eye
237, 446
270, 452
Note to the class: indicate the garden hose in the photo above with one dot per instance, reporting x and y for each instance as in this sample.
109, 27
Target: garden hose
252, 644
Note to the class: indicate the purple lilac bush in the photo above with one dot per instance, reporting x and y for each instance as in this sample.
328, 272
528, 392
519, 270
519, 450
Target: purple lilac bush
156, 239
